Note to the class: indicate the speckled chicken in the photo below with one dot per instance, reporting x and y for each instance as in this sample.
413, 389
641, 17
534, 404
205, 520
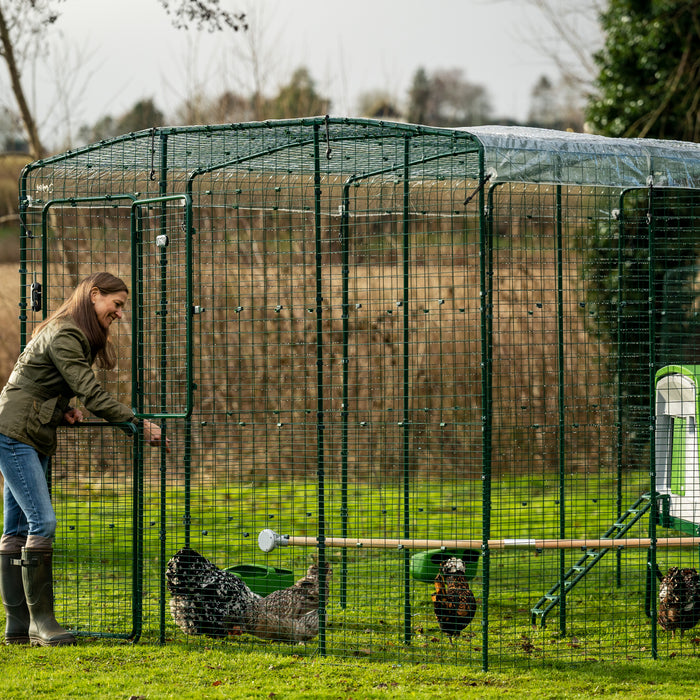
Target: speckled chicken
290, 614
205, 599
453, 601
679, 600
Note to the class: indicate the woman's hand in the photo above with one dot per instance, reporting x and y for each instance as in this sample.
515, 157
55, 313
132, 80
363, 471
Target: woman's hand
152, 435
72, 416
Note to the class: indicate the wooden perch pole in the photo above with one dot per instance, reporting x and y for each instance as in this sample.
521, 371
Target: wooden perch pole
268, 540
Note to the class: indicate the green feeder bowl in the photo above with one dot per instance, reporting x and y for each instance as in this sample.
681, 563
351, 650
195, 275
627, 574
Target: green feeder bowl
425, 566
263, 579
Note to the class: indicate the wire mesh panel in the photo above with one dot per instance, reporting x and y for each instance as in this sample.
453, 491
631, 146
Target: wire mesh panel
162, 282
96, 480
383, 347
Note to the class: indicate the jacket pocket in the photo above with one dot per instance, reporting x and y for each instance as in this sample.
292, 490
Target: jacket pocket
43, 420
47, 411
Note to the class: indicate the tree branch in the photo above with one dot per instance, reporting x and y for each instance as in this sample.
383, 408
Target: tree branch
204, 14
649, 121
35, 144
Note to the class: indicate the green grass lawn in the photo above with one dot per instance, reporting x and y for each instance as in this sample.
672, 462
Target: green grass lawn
176, 670
605, 648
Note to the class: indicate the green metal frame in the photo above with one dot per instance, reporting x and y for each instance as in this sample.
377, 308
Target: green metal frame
138, 366
180, 164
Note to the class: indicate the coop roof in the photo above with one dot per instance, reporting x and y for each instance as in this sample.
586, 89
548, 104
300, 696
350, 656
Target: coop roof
518, 154
358, 148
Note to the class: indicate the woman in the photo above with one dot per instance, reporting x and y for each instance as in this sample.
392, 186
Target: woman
55, 366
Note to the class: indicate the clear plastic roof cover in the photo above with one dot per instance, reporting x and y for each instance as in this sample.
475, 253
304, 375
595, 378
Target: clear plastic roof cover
519, 154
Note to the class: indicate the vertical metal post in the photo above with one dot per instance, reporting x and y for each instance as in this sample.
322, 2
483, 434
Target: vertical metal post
137, 536
45, 259
189, 379
137, 378
320, 420
620, 434
561, 415
189, 310
24, 234
486, 323
345, 304
163, 189
652, 422
405, 420
187, 454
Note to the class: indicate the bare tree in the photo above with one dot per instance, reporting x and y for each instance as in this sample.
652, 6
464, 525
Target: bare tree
24, 22
71, 73
189, 84
24, 19
254, 60
447, 98
243, 69
544, 105
555, 106
570, 37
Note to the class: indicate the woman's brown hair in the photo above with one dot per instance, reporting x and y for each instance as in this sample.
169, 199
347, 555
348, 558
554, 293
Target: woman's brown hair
80, 309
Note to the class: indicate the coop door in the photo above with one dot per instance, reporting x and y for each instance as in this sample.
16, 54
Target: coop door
94, 475
162, 306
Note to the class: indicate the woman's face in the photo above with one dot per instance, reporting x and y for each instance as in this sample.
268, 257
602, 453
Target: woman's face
108, 307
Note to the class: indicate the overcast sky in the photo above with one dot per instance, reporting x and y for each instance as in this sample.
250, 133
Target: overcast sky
128, 50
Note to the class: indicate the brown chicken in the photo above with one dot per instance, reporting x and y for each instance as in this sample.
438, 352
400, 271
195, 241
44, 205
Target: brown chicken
453, 601
679, 600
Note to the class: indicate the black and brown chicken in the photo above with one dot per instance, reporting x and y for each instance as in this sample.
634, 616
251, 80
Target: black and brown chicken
453, 601
207, 600
679, 600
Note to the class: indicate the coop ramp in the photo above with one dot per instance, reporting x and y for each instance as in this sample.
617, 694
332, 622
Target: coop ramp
589, 559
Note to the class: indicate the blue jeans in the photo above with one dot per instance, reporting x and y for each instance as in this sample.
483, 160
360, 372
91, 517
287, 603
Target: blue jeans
26, 500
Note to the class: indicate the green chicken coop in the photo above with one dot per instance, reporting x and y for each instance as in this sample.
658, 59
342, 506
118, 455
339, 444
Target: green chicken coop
393, 336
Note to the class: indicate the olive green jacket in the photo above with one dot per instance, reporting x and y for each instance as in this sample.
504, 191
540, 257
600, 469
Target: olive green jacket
55, 366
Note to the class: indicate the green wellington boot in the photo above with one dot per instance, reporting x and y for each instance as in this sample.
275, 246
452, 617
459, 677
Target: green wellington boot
12, 593
37, 577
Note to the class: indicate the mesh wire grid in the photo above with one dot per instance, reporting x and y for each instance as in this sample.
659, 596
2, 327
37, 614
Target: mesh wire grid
389, 342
